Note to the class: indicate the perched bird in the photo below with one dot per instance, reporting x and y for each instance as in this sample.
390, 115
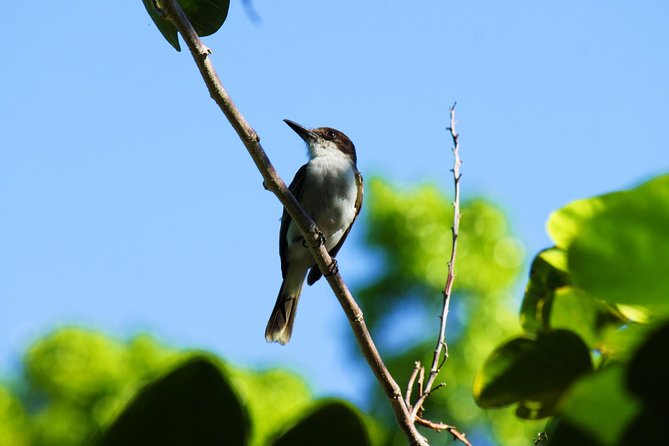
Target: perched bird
329, 188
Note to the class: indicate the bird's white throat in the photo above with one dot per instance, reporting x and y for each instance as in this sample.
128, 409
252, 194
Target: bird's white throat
322, 147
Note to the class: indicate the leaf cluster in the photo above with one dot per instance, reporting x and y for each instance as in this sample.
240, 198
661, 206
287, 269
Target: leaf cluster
595, 317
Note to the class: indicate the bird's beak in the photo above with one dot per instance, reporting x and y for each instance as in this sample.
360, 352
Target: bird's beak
306, 134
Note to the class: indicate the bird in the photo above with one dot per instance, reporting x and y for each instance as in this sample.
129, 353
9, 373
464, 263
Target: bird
329, 188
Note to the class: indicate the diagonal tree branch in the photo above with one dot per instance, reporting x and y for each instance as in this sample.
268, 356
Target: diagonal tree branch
173, 12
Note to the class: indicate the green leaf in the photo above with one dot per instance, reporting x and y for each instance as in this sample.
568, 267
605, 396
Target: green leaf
548, 272
193, 404
533, 370
332, 423
621, 344
166, 28
600, 405
565, 225
206, 16
618, 244
575, 310
633, 313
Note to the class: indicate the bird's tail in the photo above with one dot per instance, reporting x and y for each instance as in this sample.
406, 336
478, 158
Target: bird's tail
280, 324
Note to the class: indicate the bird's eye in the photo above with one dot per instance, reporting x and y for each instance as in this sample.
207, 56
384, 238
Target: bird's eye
331, 135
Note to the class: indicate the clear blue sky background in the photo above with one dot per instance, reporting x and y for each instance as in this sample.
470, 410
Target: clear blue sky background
127, 203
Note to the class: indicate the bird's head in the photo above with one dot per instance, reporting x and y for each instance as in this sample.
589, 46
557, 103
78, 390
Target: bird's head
324, 141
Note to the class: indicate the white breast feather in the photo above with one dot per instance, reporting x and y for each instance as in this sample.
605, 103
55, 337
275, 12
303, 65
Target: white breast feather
330, 181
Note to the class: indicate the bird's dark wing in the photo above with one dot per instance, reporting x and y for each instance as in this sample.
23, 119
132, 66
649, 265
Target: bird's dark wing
315, 273
296, 189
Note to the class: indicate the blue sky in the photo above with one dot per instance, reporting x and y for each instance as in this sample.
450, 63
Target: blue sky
127, 203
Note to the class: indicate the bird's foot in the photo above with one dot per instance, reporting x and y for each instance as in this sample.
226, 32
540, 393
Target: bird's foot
332, 269
320, 241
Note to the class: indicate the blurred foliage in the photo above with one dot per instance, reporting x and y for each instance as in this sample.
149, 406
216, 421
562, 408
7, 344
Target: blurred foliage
13, 420
192, 404
333, 423
593, 352
605, 284
533, 370
82, 387
410, 232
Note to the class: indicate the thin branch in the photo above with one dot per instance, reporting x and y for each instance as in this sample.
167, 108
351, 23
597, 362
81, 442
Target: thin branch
444, 357
412, 381
441, 347
307, 227
436, 426
435, 388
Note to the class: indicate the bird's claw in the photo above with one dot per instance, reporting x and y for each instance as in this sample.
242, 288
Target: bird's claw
319, 242
332, 269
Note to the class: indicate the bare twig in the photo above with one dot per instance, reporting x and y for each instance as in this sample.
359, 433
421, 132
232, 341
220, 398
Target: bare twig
412, 380
307, 227
436, 426
441, 349
435, 388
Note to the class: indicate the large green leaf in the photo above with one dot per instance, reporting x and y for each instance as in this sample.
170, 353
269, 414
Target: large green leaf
618, 244
622, 405
193, 404
533, 370
206, 16
166, 28
548, 272
600, 405
575, 310
333, 423
620, 344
